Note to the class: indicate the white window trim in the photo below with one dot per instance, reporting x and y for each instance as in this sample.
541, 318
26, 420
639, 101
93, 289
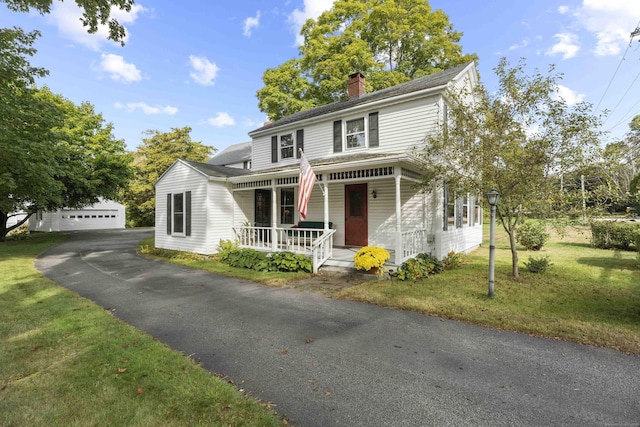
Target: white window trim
293, 145
173, 215
345, 146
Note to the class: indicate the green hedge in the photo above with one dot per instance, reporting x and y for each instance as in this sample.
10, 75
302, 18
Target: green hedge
615, 235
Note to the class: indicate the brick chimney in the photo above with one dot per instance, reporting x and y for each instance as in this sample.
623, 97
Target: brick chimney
356, 85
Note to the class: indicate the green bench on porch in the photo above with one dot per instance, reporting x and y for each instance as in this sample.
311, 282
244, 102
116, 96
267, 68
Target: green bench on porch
307, 234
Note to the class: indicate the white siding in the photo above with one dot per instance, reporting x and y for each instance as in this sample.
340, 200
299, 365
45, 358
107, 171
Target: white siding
178, 179
220, 210
105, 214
402, 126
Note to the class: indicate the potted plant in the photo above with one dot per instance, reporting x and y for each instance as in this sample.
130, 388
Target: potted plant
371, 259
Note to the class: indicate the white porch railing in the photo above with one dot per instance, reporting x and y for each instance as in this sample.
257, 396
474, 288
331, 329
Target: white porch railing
322, 249
413, 243
316, 243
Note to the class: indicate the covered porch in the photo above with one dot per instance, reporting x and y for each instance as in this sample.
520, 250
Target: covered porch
357, 201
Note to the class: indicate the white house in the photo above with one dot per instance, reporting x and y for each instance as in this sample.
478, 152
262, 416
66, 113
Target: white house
361, 151
105, 214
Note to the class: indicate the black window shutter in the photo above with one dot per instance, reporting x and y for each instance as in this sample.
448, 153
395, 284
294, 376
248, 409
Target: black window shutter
373, 130
187, 217
337, 136
445, 208
299, 142
169, 213
274, 149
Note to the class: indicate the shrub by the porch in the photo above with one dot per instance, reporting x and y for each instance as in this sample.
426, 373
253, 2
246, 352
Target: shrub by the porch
423, 265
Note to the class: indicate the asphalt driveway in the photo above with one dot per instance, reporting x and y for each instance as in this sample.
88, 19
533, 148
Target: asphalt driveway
326, 362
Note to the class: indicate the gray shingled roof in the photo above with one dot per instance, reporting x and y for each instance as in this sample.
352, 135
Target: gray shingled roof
236, 153
422, 83
216, 170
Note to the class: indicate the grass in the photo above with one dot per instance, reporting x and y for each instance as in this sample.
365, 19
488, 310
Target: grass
66, 362
588, 295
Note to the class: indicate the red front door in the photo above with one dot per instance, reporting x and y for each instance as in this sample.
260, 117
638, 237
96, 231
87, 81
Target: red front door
356, 230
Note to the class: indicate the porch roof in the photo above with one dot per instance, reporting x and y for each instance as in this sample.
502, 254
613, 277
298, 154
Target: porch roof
323, 165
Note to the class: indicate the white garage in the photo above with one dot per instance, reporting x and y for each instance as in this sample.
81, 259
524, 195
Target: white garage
106, 214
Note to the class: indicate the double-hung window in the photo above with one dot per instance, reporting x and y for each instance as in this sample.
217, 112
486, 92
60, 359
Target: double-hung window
286, 146
179, 214
355, 133
286, 205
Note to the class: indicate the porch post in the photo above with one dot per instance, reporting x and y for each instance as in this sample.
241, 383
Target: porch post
326, 203
398, 257
274, 216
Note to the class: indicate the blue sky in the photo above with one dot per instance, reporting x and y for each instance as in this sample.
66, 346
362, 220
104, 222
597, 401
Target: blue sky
199, 64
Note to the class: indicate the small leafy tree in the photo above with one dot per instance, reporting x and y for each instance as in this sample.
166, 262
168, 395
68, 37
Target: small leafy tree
158, 151
515, 140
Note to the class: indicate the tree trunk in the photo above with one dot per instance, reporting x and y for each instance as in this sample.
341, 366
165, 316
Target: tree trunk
3, 226
514, 253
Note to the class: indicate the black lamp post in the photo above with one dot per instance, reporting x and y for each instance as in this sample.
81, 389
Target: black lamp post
492, 198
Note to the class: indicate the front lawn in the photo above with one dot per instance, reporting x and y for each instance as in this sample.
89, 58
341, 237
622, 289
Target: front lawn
65, 361
588, 295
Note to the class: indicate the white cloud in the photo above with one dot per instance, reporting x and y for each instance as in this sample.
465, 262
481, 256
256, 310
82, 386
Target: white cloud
66, 16
563, 9
118, 68
204, 72
146, 108
610, 21
570, 97
221, 120
567, 45
251, 23
312, 9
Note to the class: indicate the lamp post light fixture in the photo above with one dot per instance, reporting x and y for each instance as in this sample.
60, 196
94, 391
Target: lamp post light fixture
492, 198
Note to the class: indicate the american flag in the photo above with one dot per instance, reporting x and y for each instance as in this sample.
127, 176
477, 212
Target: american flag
305, 184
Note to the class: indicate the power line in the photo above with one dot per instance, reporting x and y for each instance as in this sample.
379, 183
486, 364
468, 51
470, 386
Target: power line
633, 34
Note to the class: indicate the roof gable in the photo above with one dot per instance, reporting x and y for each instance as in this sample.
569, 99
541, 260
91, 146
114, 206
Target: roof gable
206, 170
432, 81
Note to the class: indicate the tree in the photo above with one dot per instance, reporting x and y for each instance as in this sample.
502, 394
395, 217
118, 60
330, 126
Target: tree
390, 41
54, 154
516, 140
95, 12
158, 151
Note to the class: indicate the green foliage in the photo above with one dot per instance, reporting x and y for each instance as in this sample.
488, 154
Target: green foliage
614, 235
53, 153
20, 233
369, 257
246, 258
159, 150
288, 261
453, 260
490, 144
230, 254
390, 41
538, 265
94, 13
532, 235
423, 265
